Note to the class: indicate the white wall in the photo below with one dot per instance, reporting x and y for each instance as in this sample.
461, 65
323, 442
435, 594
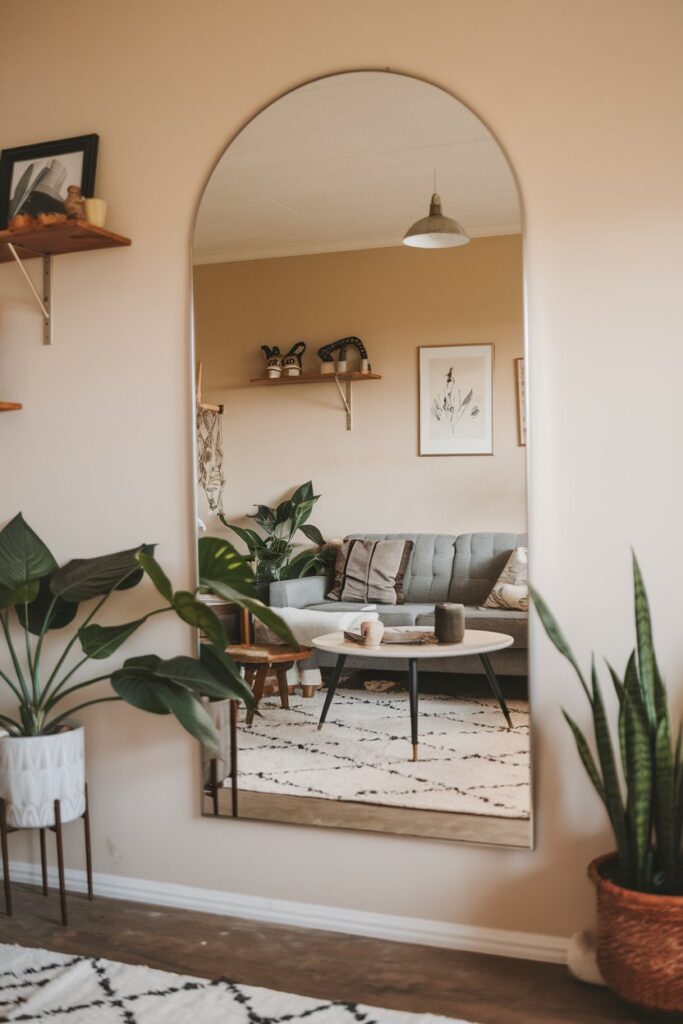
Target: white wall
586, 98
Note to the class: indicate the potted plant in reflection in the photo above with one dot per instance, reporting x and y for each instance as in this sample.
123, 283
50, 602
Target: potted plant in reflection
41, 749
272, 554
639, 778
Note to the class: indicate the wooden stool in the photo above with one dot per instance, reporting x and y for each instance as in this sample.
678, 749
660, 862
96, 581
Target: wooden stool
259, 660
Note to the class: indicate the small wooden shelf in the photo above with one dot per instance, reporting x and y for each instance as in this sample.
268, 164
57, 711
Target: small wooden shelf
317, 378
69, 236
10, 406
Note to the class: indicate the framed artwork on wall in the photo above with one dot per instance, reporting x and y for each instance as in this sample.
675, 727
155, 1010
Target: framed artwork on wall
34, 179
456, 399
520, 380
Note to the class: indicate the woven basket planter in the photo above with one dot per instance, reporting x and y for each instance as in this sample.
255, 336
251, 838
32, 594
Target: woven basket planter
640, 942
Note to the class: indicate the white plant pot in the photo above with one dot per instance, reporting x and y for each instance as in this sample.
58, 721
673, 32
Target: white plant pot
37, 770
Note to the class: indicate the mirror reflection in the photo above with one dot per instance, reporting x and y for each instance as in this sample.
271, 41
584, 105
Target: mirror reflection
359, 338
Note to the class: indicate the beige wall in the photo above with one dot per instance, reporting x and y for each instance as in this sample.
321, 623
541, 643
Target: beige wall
586, 98
395, 300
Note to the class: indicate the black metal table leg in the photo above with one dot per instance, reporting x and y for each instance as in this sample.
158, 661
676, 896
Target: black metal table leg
334, 683
60, 861
413, 689
493, 683
88, 844
5, 857
43, 859
233, 757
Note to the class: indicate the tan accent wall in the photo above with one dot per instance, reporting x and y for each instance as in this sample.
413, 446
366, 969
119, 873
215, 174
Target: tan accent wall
586, 99
395, 300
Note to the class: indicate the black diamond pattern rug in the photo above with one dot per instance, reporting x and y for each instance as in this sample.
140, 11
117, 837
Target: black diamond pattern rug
37, 985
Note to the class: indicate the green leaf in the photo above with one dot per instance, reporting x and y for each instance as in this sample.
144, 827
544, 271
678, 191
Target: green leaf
266, 615
193, 717
264, 516
63, 612
610, 778
137, 684
639, 774
556, 635
647, 666
24, 559
84, 578
194, 675
219, 560
102, 641
224, 669
283, 512
616, 682
668, 848
198, 614
157, 575
303, 493
303, 513
586, 757
302, 565
313, 534
250, 537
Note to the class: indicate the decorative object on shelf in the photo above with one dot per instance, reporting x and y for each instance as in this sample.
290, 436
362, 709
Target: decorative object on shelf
520, 380
74, 203
327, 355
22, 222
435, 231
372, 631
50, 220
456, 400
96, 212
640, 887
272, 556
449, 623
34, 179
291, 362
273, 360
209, 448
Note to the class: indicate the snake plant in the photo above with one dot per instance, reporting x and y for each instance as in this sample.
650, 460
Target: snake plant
39, 598
644, 797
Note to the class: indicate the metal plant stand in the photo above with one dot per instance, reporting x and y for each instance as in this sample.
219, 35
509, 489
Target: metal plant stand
5, 830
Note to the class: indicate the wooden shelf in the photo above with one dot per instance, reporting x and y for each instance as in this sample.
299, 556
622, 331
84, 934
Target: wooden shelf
317, 378
10, 406
69, 236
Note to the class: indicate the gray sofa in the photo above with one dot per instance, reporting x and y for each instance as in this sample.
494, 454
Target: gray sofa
442, 567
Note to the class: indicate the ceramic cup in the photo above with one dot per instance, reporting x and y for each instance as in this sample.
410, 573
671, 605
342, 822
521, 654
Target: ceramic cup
372, 632
96, 212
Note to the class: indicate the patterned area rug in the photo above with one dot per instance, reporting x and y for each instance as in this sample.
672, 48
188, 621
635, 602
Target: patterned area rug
36, 985
469, 762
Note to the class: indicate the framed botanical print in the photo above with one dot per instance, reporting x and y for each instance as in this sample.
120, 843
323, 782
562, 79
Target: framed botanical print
520, 382
456, 400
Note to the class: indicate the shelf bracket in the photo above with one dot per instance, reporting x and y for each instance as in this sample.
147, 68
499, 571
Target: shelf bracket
346, 399
45, 303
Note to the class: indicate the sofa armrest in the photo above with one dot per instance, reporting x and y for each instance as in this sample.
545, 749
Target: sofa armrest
298, 593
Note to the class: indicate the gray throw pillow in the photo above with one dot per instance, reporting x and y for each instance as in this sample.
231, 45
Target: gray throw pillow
371, 570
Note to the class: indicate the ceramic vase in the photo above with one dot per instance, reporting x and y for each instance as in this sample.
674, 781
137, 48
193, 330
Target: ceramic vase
37, 770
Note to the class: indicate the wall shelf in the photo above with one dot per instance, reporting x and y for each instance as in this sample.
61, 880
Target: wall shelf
10, 406
348, 379
44, 242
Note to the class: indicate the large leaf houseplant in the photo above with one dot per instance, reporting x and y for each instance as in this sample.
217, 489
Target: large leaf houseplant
637, 772
41, 602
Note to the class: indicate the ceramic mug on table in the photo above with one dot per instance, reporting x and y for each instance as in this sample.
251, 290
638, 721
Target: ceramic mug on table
372, 631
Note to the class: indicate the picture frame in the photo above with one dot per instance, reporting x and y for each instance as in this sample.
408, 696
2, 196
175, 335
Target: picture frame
520, 381
456, 399
34, 179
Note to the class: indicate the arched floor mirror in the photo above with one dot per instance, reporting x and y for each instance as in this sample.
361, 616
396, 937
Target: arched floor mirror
359, 321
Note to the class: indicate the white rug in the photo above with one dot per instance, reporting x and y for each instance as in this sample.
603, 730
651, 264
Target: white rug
470, 763
37, 985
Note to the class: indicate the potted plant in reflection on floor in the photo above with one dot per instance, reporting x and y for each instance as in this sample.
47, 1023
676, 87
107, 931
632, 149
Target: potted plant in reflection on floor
640, 887
41, 750
272, 554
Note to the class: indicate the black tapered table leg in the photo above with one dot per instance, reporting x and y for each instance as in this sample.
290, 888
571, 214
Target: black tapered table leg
88, 844
493, 683
43, 859
334, 683
233, 758
413, 691
60, 861
5, 857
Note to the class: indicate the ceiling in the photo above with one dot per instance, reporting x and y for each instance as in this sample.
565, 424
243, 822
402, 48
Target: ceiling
348, 162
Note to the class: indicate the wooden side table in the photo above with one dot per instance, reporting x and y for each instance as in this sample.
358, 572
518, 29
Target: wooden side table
259, 660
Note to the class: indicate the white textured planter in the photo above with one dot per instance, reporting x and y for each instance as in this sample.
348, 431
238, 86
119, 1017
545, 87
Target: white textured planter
37, 770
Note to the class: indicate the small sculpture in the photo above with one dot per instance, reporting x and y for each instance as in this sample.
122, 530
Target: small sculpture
326, 354
73, 204
273, 360
292, 360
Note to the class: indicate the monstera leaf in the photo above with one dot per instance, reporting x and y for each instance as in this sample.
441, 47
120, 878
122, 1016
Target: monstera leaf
24, 559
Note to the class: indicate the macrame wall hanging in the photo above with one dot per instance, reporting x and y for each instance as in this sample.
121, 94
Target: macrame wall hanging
210, 448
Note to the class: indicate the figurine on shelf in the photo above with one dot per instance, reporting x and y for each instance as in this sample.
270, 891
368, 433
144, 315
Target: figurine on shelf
73, 204
326, 354
292, 360
273, 360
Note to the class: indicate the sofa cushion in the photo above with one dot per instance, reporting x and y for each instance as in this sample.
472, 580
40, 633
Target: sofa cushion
498, 620
389, 614
430, 568
511, 589
371, 570
479, 560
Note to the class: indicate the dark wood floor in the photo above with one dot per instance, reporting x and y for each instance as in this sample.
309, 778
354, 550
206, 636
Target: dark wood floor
483, 989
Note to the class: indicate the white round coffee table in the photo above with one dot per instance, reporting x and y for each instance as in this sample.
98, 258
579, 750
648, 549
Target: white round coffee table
479, 642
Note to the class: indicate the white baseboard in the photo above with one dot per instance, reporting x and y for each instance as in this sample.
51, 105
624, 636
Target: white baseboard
393, 928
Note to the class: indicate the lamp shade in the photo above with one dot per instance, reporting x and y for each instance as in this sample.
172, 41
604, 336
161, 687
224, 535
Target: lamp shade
435, 231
